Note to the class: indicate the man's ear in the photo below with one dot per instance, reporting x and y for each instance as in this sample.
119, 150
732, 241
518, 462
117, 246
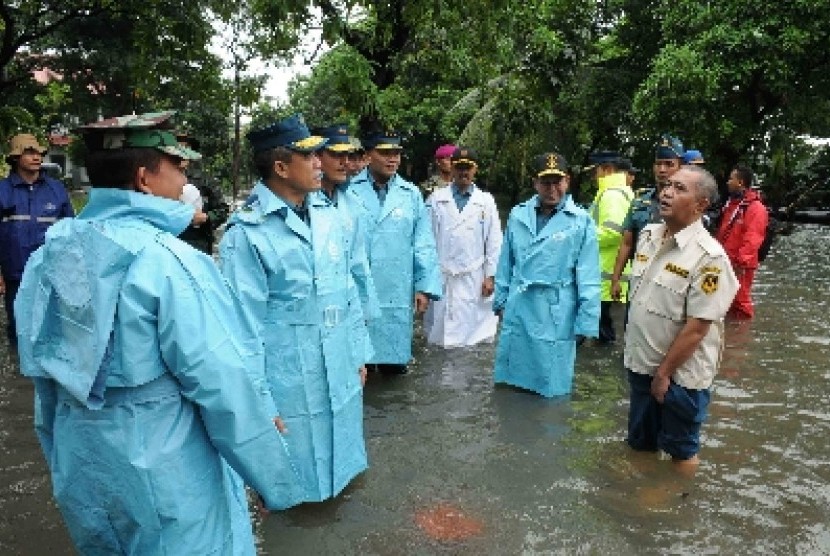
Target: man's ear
140, 182
281, 169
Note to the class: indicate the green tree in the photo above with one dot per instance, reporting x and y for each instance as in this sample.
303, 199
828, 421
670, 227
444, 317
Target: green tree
741, 80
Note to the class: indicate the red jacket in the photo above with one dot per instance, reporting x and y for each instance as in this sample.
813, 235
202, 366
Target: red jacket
743, 225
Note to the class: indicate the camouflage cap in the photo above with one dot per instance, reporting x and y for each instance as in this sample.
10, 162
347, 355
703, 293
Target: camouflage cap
152, 130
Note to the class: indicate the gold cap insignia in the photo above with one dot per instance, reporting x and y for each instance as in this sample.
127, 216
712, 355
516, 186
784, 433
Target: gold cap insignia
552, 162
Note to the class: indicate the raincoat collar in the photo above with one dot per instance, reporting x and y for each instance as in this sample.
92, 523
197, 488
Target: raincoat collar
388, 185
339, 189
271, 203
165, 214
394, 187
363, 175
527, 216
529, 213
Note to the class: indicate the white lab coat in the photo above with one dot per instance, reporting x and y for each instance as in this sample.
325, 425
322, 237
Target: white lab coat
469, 243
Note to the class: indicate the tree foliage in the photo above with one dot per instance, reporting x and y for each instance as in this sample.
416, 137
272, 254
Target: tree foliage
732, 76
739, 80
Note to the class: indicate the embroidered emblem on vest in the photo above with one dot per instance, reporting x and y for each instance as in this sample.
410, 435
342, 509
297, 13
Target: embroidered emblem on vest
709, 285
674, 269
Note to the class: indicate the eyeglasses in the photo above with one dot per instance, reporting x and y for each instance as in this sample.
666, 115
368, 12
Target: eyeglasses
463, 166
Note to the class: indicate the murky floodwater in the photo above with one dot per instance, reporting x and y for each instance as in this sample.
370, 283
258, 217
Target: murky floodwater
461, 467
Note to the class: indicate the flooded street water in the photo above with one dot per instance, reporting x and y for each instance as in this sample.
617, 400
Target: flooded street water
460, 467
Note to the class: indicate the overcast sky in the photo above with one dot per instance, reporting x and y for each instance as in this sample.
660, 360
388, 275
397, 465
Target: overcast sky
279, 75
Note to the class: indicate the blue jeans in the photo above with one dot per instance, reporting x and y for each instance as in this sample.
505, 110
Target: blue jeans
673, 426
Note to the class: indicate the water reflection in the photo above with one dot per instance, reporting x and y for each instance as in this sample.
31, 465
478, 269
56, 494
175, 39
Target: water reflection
516, 473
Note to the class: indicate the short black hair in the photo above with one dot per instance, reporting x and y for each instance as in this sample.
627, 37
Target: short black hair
117, 168
264, 160
744, 173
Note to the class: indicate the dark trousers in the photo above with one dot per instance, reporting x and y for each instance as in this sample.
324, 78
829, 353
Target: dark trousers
387, 368
606, 325
672, 426
8, 299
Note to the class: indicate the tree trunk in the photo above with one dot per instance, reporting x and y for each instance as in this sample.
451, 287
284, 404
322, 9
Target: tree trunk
236, 132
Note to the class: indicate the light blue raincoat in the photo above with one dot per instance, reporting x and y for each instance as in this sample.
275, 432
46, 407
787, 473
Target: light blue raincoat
293, 282
146, 377
361, 284
402, 255
548, 285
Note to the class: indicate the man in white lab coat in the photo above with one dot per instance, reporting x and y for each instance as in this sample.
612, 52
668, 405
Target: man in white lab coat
468, 236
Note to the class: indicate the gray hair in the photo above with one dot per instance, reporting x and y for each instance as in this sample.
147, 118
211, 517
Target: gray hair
706, 185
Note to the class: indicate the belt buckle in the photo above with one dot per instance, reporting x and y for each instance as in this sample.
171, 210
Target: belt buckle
331, 316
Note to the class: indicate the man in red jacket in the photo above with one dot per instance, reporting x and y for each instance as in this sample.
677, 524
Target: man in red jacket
742, 228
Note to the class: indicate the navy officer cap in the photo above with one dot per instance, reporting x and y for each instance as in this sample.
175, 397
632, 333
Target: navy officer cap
549, 164
383, 140
693, 156
668, 147
598, 158
627, 166
464, 155
291, 133
338, 138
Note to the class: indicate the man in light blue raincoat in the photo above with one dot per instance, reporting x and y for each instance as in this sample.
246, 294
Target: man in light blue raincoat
334, 163
547, 285
147, 379
401, 249
287, 256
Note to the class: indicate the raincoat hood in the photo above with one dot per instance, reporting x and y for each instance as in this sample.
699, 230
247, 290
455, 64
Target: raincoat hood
73, 308
168, 215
